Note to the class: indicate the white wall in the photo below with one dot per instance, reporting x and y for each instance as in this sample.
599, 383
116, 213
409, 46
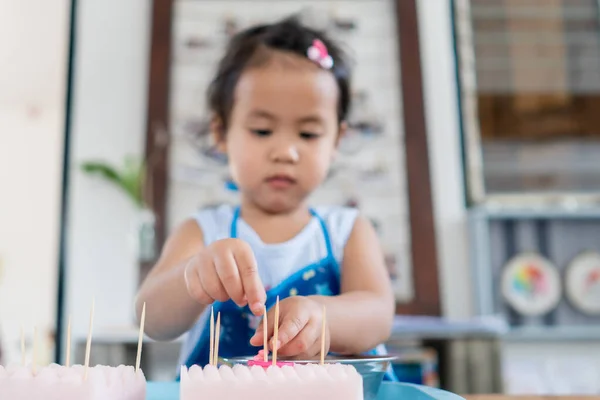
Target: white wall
440, 90
552, 367
33, 67
108, 123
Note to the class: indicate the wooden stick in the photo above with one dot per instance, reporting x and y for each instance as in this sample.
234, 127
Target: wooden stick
88, 345
68, 355
35, 346
140, 339
212, 336
217, 334
323, 336
276, 332
265, 338
22, 347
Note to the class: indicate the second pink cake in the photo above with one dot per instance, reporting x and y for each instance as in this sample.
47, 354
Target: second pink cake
298, 382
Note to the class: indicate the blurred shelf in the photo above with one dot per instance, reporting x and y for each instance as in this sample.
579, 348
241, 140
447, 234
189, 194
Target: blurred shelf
552, 334
535, 212
423, 327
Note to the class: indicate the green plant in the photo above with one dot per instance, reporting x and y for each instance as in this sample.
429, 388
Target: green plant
130, 178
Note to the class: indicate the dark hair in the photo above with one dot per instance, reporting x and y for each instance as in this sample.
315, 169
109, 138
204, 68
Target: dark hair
245, 49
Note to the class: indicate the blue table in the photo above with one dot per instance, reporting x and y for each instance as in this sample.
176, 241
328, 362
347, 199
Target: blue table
388, 391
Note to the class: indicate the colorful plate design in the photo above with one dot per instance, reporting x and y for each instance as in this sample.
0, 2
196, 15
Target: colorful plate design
531, 284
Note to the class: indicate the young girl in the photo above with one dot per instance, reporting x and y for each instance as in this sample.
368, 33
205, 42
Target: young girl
279, 102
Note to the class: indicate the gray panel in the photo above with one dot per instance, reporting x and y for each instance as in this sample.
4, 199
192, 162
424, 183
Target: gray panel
555, 235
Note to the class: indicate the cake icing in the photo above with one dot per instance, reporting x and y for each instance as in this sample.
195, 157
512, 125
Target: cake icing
297, 382
56, 382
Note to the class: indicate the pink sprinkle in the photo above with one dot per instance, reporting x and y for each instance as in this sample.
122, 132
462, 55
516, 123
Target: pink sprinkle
260, 355
267, 364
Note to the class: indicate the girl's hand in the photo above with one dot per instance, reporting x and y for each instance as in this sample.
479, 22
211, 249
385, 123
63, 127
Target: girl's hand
300, 326
225, 270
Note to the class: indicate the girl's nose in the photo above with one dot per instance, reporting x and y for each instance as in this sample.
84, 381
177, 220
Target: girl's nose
286, 154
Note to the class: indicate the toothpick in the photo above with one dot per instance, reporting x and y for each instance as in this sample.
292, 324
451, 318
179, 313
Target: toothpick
265, 338
35, 346
22, 347
88, 345
323, 336
217, 334
68, 355
212, 336
276, 333
140, 339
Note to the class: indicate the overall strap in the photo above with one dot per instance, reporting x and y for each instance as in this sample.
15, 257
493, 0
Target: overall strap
234, 220
326, 236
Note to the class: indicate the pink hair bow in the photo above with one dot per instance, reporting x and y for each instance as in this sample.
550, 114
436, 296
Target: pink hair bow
318, 53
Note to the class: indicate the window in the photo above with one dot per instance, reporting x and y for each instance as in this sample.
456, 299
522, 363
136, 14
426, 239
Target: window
529, 72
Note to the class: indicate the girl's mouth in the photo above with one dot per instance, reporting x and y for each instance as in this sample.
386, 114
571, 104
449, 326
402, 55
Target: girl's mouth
280, 181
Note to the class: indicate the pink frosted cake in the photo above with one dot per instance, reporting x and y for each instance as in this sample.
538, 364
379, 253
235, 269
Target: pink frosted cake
56, 382
297, 382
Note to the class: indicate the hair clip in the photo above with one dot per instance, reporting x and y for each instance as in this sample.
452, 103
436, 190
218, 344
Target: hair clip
318, 53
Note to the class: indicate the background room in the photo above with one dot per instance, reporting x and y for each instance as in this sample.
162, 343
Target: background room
473, 147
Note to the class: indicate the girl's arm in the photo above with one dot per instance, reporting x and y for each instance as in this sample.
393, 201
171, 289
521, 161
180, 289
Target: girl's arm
170, 310
362, 316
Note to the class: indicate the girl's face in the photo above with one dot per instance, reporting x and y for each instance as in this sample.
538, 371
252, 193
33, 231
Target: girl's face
283, 131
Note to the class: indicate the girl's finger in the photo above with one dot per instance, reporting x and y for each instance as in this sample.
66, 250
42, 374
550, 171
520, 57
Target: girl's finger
305, 343
194, 284
292, 327
313, 353
258, 338
211, 282
229, 277
248, 270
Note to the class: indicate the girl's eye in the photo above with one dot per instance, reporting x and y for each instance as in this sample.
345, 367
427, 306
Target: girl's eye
308, 135
261, 132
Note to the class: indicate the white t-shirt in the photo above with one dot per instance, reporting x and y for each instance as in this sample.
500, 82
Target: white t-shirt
275, 261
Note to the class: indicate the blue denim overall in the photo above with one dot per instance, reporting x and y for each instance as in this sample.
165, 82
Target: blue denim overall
238, 324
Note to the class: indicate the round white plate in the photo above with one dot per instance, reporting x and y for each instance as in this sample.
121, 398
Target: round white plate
531, 284
582, 283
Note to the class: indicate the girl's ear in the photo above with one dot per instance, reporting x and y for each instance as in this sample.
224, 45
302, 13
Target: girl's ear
342, 130
217, 131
